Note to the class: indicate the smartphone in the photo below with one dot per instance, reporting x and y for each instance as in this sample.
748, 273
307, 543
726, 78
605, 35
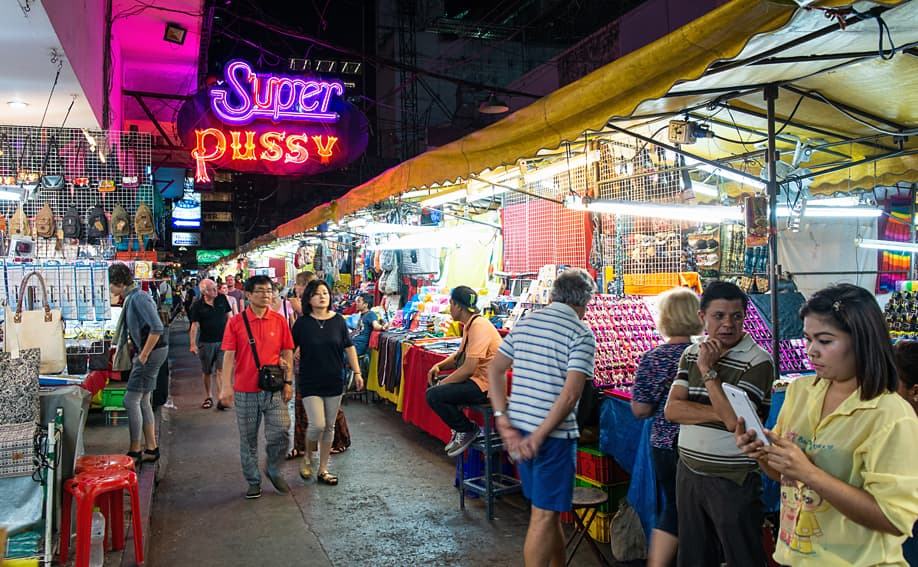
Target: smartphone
744, 408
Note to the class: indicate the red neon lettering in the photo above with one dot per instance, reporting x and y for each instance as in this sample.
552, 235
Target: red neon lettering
296, 145
324, 151
271, 142
199, 155
249, 153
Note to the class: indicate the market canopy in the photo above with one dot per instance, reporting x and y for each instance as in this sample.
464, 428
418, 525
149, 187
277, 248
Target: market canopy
841, 89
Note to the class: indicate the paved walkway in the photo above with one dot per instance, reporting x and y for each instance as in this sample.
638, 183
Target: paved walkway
395, 504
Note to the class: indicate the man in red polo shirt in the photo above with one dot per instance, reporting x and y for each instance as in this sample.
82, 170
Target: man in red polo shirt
274, 345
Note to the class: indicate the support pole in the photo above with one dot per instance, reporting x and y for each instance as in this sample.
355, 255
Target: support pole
771, 94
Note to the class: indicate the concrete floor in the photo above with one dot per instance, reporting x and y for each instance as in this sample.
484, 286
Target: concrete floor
395, 504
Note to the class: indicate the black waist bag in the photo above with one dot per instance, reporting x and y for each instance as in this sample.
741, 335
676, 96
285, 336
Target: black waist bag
271, 378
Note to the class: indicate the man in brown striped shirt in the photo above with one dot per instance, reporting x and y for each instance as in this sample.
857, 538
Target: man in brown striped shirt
718, 488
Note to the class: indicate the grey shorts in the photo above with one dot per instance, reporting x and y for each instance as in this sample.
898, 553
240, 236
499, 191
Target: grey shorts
211, 357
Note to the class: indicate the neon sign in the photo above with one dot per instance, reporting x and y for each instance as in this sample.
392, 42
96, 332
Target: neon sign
274, 124
274, 97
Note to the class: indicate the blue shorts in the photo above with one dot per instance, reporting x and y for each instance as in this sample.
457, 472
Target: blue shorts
548, 479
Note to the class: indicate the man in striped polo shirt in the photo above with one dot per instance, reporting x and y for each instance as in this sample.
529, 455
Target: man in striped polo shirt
718, 488
552, 352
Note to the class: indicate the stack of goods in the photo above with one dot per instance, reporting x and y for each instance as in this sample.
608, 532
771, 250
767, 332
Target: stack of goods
598, 470
624, 330
902, 315
792, 356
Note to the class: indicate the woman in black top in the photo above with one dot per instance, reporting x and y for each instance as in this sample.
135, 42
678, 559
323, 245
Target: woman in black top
322, 338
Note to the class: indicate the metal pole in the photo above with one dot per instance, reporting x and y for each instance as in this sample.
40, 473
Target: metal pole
913, 210
771, 93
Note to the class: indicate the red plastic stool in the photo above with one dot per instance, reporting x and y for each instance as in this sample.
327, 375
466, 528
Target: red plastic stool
105, 486
103, 462
96, 463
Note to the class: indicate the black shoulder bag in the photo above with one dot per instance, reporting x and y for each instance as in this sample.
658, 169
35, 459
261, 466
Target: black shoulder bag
271, 377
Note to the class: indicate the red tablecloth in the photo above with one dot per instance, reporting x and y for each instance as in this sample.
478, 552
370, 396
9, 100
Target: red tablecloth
415, 410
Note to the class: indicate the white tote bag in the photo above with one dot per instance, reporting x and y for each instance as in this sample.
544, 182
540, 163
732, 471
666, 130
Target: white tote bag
42, 329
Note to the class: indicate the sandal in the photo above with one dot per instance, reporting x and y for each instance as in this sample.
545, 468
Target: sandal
327, 478
294, 454
208, 403
338, 450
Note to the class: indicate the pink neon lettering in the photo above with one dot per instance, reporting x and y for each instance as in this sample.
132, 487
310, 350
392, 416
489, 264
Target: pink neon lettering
272, 97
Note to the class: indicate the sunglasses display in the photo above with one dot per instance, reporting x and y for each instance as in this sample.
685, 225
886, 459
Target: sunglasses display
791, 357
624, 330
902, 315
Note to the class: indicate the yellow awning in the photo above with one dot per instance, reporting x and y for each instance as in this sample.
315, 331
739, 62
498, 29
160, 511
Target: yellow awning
650, 86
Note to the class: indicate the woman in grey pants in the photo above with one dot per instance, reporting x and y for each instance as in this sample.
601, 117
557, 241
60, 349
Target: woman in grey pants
140, 320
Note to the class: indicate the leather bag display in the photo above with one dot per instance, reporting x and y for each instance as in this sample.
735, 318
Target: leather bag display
42, 329
19, 402
44, 222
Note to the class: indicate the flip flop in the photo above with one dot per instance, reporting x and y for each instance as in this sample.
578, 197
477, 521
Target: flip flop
208, 403
338, 451
294, 454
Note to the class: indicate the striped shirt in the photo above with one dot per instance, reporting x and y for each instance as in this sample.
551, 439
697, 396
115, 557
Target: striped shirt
708, 448
544, 347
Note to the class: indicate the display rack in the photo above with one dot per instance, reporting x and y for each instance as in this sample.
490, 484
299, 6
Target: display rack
792, 357
624, 329
99, 167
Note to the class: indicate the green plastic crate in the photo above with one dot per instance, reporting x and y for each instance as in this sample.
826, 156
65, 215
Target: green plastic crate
616, 492
113, 397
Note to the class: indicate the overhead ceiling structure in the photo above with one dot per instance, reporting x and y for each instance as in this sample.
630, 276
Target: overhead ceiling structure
32, 52
846, 83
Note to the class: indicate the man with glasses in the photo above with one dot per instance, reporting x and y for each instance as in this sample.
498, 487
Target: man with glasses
208, 316
274, 345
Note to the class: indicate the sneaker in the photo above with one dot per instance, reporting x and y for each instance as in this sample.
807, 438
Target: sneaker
253, 492
452, 441
277, 480
463, 440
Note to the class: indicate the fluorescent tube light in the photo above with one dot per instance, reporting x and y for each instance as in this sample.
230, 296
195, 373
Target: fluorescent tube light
386, 228
705, 189
559, 167
690, 213
725, 173
446, 197
833, 212
6, 195
886, 245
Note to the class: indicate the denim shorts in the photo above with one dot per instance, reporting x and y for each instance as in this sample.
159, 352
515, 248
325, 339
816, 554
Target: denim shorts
210, 356
548, 479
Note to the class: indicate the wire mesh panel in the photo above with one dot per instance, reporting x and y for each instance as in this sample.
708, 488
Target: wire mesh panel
66, 167
638, 247
538, 231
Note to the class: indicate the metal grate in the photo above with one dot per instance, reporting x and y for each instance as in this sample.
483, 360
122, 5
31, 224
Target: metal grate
88, 160
638, 246
539, 231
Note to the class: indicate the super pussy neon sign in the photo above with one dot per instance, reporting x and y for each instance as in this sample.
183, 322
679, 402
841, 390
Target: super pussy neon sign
272, 97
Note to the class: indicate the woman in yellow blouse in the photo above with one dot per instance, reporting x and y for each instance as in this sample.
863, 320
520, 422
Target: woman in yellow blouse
843, 446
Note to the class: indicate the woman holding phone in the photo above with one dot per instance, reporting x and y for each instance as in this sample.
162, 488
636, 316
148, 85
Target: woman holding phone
843, 445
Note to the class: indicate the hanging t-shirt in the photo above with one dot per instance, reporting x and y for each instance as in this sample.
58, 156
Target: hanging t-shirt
321, 345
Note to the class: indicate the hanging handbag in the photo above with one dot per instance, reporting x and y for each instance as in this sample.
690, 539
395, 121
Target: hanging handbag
42, 329
7, 163
271, 377
52, 170
19, 401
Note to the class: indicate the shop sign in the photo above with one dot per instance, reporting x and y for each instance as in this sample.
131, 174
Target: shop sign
218, 216
274, 124
186, 238
211, 256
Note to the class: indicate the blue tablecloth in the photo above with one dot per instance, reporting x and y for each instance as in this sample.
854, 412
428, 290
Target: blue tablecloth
627, 440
